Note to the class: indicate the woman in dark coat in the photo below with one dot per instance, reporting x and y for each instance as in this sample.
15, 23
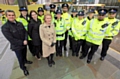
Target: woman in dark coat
33, 30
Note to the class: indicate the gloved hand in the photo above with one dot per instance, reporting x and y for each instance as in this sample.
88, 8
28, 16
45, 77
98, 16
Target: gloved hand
52, 44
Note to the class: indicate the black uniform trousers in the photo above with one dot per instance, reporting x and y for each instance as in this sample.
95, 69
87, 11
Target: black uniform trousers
30, 45
105, 47
83, 44
76, 46
59, 47
90, 53
37, 50
25, 53
70, 42
21, 56
65, 41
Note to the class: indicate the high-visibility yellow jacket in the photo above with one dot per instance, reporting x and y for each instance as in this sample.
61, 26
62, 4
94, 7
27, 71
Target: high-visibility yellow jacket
25, 23
60, 29
114, 28
97, 31
67, 17
41, 18
79, 28
70, 30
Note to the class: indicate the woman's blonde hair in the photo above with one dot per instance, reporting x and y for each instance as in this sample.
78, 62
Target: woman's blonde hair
48, 14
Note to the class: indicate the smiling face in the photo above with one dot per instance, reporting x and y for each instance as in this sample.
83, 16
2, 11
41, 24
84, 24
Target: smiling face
65, 9
101, 17
10, 16
24, 13
34, 15
111, 15
40, 13
48, 19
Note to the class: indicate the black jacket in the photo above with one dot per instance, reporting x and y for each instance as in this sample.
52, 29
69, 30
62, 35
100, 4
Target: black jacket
33, 31
15, 34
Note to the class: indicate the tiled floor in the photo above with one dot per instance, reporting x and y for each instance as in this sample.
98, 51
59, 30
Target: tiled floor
68, 68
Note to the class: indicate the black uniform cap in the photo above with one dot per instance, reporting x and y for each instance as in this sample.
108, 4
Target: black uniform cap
58, 11
74, 10
40, 9
23, 8
81, 13
91, 11
112, 10
65, 5
102, 11
1, 10
52, 6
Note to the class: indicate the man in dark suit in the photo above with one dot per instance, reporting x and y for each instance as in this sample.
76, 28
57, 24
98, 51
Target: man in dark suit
17, 36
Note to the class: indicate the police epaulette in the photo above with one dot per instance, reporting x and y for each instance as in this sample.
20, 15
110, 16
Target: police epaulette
84, 22
105, 25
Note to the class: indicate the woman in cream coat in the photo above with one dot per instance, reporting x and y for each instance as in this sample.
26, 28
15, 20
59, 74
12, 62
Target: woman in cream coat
48, 37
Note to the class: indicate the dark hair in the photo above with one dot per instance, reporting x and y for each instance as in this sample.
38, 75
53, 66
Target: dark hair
9, 11
32, 12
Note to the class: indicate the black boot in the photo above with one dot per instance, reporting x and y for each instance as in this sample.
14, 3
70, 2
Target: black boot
88, 61
52, 61
49, 62
73, 54
102, 58
26, 73
77, 54
28, 62
81, 57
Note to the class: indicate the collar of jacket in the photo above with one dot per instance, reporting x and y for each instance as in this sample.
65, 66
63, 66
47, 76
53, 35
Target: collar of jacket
52, 11
34, 20
25, 18
72, 15
12, 22
60, 18
40, 15
89, 18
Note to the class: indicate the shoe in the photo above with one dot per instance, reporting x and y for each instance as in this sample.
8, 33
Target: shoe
88, 61
39, 58
73, 54
57, 54
25, 72
102, 58
77, 54
49, 64
28, 62
81, 57
53, 62
60, 54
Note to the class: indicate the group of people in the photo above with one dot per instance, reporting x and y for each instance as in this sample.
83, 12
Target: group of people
47, 33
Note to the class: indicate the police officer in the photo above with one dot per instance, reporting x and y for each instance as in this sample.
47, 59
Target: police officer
24, 19
114, 30
2, 17
16, 34
91, 13
95, 35
60, 32
41, 14
52, 11
66, 16
73, 17
79, 30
